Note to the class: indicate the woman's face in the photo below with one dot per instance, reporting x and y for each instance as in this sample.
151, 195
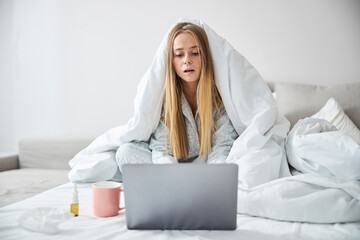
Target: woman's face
187, 60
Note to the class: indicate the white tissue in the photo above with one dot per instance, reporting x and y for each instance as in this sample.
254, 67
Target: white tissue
45, 220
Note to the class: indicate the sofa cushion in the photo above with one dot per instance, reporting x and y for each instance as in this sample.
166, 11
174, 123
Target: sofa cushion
297, 101
50, 152
8, 161
19, 184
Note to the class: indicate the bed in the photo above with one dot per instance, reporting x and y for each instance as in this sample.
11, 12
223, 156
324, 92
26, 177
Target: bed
87, 226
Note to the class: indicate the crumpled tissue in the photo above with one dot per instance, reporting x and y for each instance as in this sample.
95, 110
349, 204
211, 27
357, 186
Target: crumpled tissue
45, 220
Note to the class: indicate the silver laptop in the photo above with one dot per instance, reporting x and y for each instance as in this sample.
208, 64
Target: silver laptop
181, 196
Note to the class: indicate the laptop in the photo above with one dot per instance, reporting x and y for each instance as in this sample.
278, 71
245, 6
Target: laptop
180, 196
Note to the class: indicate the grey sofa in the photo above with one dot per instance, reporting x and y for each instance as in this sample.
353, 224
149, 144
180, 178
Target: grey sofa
42, 163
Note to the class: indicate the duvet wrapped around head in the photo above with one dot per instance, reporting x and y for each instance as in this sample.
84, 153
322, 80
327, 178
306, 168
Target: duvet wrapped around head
259, 149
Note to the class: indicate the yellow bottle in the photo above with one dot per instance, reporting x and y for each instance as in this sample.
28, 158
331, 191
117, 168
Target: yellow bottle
74, 206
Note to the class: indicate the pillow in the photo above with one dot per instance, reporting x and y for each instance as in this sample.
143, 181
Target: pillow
333, 113
297, 101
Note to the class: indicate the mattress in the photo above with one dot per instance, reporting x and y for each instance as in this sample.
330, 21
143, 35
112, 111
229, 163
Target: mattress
88, 226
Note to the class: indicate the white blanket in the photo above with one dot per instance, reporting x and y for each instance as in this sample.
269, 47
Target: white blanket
266, 187
316, 146
303, 198
327, 192
248, 102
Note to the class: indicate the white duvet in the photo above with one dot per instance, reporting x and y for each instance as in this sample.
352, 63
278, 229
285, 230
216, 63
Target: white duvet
316, 146
266, 187
327, 190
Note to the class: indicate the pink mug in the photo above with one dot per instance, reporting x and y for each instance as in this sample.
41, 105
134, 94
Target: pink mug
106, 198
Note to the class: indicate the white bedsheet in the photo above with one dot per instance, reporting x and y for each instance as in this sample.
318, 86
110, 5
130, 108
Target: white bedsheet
87, 226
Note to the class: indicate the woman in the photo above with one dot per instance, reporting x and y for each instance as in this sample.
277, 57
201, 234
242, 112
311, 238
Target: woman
197, 127
194, 126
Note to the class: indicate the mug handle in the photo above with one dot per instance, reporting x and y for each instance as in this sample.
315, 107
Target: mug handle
121, 190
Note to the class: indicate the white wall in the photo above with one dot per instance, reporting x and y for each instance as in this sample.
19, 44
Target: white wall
72, 67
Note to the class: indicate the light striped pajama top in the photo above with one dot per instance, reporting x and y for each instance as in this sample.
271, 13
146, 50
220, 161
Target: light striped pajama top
221, 142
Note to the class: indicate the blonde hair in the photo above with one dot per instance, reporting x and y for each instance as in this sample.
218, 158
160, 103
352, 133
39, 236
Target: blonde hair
208, 97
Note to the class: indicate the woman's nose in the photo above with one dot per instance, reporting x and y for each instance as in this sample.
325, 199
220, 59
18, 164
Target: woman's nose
187, 59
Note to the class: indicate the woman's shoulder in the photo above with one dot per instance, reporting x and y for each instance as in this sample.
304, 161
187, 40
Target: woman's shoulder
223, 122
220, 115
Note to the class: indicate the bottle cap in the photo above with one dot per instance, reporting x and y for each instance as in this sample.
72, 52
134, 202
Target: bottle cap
75, 198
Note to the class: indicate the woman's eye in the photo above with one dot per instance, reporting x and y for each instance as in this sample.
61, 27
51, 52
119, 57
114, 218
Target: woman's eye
178, 55
195, 53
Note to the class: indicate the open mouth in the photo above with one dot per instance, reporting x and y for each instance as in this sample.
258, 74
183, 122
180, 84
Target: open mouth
189, 70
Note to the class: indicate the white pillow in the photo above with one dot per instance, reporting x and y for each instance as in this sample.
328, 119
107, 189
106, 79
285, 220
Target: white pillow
334, 113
